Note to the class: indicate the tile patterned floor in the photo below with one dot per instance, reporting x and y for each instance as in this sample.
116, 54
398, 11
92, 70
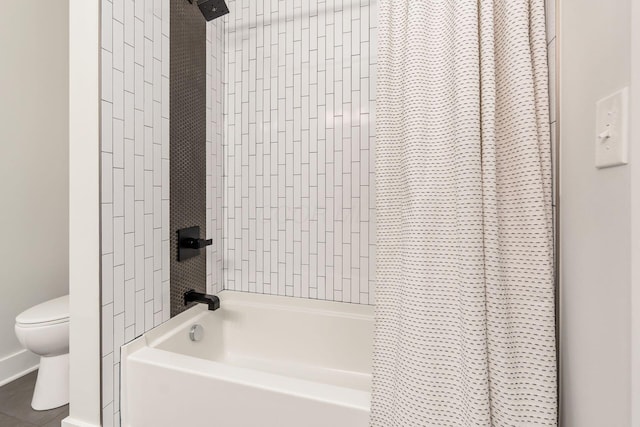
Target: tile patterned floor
15, 406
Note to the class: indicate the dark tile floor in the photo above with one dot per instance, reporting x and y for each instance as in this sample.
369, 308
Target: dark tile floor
15, 406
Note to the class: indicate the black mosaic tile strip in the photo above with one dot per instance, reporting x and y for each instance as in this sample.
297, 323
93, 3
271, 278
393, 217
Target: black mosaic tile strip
187, 143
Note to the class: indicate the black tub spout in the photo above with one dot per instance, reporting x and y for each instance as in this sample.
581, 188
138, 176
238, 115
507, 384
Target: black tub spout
211, 300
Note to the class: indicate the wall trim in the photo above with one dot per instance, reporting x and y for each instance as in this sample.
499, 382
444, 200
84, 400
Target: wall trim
17, 365
634, 162
71, 422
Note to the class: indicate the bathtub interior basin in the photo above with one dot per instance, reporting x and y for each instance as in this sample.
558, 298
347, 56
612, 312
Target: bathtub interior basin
260, 360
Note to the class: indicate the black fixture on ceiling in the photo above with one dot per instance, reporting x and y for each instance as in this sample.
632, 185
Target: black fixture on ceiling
212, 9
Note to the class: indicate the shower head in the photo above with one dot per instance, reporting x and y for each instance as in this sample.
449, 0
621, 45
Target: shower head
212, 9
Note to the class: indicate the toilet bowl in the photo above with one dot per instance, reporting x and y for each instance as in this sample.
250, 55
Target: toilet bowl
44, 330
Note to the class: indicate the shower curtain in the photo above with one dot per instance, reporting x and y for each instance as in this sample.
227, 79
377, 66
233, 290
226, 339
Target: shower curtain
465, 322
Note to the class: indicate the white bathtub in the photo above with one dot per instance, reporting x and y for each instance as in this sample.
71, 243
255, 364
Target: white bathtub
263, 361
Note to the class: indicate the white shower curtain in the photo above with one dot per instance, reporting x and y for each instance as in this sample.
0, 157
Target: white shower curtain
465, 326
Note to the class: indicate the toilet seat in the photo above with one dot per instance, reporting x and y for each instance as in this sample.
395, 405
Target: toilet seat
48, 313
41, 324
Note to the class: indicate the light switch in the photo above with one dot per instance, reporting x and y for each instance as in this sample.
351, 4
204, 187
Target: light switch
612, 129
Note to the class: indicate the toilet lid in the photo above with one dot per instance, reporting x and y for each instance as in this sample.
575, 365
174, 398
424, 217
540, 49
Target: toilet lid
50, 311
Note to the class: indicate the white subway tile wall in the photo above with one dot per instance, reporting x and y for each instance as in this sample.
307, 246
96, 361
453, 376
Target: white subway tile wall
299, 112
135, 180
215, 152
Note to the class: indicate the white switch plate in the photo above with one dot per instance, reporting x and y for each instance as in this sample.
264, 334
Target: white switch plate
612, 129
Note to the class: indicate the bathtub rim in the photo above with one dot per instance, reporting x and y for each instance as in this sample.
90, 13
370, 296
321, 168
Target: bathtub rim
159, 334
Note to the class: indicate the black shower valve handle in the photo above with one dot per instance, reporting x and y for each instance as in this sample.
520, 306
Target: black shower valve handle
189, 243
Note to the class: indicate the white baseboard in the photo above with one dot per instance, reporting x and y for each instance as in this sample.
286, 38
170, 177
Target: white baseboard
70, 422
17, 365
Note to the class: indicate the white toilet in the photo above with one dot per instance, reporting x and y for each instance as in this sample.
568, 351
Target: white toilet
44, 330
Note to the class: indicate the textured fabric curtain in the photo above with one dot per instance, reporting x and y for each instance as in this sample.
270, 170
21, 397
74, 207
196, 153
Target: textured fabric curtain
465, 326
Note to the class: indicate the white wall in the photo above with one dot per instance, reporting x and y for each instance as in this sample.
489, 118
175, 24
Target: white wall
300, 91
595, 220
33, 165
135, 180
215, 153
635, 213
